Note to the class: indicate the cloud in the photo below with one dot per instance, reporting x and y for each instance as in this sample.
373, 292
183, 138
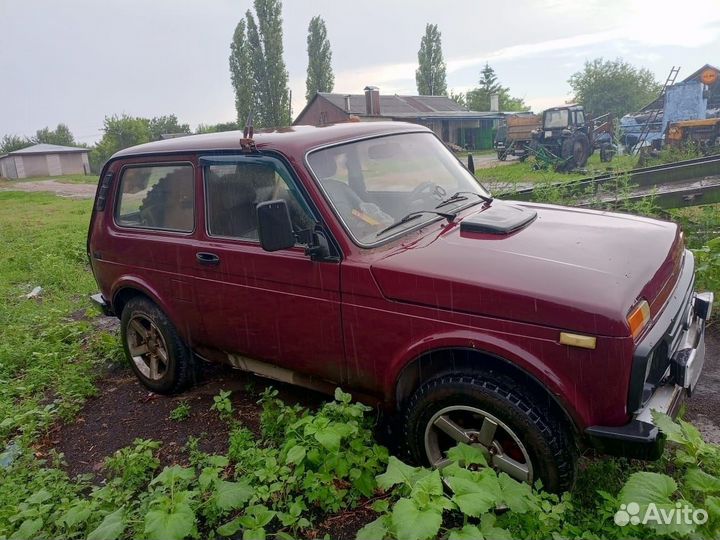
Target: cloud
531, 49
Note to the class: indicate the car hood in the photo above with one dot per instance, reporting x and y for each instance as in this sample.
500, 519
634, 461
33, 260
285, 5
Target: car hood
574, 269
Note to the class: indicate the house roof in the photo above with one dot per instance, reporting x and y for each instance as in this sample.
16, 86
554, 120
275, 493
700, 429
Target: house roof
392, 105
47, 149
395, 106
697, 73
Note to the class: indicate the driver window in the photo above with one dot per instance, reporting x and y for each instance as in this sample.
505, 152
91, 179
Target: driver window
233, 191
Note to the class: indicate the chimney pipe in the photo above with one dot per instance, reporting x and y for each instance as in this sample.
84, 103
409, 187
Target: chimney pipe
372, 101
347, 103
495, 103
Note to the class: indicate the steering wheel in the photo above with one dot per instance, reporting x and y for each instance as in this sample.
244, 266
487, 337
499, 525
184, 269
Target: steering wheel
426, 190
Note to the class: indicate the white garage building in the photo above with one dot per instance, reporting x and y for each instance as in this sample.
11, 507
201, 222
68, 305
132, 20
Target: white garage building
44, 160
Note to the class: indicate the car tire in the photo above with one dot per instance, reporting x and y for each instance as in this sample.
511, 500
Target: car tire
522, 436
154, 349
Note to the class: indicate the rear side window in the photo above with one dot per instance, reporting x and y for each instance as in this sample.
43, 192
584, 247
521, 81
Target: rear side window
157, 197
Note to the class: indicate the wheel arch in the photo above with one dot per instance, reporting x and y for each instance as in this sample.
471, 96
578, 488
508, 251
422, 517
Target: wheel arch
129, 288
448, 360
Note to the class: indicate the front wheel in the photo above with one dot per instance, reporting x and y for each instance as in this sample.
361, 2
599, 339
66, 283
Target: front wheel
493, 413
155, 351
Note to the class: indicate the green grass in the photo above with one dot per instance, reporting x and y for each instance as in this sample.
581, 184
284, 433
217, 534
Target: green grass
48, 353
504, 177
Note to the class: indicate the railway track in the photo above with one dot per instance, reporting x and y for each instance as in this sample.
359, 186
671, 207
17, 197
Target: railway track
692, 182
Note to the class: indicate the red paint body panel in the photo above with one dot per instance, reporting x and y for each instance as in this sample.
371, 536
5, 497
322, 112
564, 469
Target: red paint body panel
359, 321
572, 269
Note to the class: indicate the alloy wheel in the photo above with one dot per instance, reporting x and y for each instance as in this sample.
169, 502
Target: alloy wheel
478, 428
147, 347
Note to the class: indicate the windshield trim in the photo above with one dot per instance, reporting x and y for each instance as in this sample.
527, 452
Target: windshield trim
402, 231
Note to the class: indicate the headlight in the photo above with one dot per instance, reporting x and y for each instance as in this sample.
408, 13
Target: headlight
639, 317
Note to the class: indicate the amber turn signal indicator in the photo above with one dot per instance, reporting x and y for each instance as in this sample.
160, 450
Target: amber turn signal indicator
577, 340
639, 317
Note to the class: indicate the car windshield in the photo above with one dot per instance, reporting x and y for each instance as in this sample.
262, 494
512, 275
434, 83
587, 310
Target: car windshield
374, 183
556, 119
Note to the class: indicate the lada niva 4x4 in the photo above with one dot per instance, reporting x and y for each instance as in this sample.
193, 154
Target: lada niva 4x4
365, 256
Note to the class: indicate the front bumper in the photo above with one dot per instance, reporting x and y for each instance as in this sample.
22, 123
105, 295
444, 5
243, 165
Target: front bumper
641, 438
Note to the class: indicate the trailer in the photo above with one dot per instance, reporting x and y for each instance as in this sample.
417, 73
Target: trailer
514, 135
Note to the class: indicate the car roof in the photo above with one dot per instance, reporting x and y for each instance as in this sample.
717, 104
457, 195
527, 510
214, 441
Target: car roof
288, 140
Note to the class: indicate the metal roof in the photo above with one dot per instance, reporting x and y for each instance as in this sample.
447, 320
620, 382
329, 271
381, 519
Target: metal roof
47, 149
394, 105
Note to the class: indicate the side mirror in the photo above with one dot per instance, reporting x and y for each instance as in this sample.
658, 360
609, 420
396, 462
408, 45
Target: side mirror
274, 225
471, 163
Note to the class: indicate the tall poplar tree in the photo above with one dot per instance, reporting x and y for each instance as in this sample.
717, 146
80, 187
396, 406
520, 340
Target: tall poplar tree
262, 52
241, 73
430, 74
320, 77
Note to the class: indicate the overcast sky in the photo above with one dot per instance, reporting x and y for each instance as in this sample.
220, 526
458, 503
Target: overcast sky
76, 61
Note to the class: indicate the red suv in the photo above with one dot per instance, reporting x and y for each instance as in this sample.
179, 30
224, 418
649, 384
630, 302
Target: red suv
366, 256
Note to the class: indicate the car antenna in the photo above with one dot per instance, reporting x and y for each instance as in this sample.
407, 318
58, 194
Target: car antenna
247, 143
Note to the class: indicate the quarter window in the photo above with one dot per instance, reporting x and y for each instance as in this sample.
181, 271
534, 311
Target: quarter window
235, 186
157, 197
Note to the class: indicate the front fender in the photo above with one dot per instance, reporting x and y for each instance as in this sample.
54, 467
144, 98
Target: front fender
518, 357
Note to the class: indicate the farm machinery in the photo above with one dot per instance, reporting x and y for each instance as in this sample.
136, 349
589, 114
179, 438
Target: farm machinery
562, 138
567, 138
514, 135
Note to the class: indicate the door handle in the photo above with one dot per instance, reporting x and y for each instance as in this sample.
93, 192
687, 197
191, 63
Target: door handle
209, 259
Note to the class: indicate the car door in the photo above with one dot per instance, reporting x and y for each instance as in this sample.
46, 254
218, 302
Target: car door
280, 307
150, 240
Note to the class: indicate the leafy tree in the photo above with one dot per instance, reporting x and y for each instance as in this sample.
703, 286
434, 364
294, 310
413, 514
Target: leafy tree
459, 98
270, 76
430, 74
162, 125
320, 77
61, 135
613, 86
10, 143
478, 99
217, 128
241, 73
120, 132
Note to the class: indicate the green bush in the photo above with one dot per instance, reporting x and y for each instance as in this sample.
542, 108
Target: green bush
481, 503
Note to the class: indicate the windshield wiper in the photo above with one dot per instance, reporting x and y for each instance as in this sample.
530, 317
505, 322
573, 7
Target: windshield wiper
461, 196
414, 215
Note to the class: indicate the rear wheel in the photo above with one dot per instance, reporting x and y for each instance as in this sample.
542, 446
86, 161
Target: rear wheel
155, 351
580, 150
493, 413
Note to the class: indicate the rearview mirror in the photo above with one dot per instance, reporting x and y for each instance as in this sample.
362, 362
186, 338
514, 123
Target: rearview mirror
274, 225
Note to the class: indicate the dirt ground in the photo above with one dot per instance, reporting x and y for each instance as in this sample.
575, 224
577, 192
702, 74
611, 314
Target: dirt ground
74, 191
485, 161
703, 409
